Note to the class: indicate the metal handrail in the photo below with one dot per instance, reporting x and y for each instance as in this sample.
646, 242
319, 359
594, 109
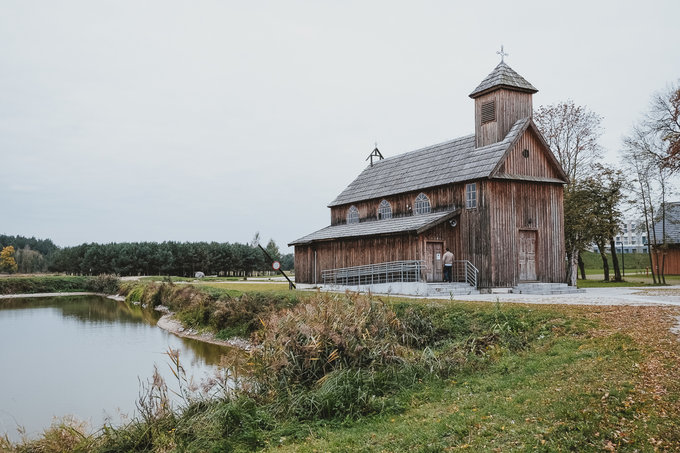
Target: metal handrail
395, 271
391, 271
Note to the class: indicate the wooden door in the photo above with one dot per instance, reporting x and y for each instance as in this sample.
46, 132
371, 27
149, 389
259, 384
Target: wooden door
527, 255
433, 261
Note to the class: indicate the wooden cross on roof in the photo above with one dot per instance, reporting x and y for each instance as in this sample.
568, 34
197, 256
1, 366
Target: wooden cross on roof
375, 153
502, 53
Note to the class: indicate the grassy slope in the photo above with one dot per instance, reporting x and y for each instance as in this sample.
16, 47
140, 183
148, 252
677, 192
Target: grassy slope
612, 388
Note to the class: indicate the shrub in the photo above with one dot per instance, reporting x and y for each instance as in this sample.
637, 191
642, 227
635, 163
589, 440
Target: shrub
301, 345
104, 283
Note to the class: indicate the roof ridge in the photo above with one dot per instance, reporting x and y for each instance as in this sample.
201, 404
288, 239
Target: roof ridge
425, 148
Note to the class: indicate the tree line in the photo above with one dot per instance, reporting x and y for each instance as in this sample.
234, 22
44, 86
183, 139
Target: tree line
152, 258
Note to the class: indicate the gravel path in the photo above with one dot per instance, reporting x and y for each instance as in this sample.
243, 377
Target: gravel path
592, 296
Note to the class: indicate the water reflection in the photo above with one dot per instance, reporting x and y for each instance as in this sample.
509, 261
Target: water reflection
84, 356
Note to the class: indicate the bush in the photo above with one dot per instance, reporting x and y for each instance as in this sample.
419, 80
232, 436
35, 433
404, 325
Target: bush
301, 345
105, 283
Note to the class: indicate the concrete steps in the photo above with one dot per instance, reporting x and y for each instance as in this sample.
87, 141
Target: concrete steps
450, 289
546, 289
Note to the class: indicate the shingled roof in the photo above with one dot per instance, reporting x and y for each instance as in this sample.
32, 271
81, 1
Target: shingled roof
672, 225
503, 76
449, 162
409, 224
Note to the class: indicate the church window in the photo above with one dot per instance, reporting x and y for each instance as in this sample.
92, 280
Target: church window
352, 214
384, 210
488, 112
422, 204
471, 195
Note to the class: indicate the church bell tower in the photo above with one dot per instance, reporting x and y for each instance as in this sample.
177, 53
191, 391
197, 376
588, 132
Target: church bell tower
501, 99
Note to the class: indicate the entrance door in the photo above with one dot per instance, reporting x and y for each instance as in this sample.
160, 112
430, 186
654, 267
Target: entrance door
433, 260
527, 255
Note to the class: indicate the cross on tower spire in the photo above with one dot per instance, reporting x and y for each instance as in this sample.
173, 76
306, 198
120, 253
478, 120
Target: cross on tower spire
502, 53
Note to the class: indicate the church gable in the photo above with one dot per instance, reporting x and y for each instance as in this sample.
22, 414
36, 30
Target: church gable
530, 158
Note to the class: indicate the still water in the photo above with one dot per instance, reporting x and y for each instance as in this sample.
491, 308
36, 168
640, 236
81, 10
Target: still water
83, 356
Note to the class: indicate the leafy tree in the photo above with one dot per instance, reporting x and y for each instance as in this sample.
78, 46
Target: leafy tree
288, 262
30, 261
7, 261
605, 195
273, 250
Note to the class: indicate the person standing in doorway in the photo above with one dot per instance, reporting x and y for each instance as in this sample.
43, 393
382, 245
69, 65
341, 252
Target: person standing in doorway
448, 265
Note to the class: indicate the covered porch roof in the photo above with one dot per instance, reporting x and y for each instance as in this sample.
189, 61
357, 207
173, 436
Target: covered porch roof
410, 224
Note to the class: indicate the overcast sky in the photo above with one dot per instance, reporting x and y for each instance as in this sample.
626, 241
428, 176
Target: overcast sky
212, 120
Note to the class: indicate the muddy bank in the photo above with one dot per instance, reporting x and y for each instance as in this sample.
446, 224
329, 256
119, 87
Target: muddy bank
172, 325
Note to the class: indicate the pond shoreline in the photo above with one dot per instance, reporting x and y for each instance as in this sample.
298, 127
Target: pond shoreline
167, 322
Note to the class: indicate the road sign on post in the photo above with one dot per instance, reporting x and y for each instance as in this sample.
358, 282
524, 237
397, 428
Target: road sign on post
291, 285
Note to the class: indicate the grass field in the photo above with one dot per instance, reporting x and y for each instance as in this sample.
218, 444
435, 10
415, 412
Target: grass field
245, 286
614, 387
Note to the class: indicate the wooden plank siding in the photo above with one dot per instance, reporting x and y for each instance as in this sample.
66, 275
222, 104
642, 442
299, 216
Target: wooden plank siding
671, 265
510, 107
535, 164
487, 236
524, 206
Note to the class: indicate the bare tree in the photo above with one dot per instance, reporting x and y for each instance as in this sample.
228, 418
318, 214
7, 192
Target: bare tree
572, 132
664, 120
644, 155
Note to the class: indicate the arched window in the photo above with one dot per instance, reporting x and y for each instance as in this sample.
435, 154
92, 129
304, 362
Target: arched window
422, 204
352, 214
384, 210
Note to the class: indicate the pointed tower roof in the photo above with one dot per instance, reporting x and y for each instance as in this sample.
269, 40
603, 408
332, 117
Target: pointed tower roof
503, 76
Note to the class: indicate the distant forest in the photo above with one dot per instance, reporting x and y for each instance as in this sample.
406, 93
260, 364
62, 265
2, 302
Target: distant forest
144, 258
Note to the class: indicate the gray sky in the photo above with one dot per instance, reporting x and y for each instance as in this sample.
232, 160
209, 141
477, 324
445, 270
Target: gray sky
211, 120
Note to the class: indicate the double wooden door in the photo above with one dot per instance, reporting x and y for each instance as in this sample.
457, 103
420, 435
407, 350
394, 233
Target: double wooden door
527, 255
433, 261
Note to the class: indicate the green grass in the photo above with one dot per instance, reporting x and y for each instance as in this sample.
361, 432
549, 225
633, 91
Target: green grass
552, 398
250, 287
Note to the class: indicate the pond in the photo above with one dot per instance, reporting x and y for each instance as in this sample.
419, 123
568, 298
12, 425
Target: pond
84, 356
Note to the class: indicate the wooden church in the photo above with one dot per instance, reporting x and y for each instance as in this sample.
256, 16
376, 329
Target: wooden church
494, 198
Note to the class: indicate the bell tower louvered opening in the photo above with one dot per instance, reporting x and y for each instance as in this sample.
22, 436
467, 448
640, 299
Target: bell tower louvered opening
488, 112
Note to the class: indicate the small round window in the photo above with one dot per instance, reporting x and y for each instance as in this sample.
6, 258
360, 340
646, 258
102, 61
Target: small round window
525, 153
